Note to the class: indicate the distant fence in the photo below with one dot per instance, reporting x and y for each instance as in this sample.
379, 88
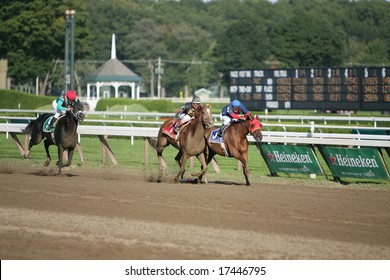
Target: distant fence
359, 136
351, 119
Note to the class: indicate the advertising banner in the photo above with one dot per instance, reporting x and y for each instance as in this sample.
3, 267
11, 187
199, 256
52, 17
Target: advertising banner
290, 159
356, 163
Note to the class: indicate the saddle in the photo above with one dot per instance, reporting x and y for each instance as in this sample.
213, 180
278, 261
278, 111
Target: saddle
215, 138
173, 135
46, 124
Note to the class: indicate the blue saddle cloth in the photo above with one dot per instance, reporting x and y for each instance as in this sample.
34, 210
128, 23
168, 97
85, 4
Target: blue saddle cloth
215, 138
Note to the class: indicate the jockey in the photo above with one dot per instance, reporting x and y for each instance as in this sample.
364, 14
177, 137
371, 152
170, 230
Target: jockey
184, 114
62, 104
230, 113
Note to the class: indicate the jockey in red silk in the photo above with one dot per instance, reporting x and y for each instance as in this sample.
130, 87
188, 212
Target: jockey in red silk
62, 104
231, 113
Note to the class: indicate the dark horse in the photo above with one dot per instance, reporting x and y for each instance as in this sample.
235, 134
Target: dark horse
65, 134
235, 142
190, 142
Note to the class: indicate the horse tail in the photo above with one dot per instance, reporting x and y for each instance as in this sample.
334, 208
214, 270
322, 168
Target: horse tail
28, 128
152, 142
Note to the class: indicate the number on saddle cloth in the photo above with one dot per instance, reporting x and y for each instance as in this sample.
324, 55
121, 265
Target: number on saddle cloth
215, 138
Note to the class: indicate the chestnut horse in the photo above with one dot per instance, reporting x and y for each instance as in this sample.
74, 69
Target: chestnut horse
235, 141
190, 142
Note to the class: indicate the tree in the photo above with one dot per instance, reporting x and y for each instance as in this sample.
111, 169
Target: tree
32, 36
308, 40
244, 45
374, 53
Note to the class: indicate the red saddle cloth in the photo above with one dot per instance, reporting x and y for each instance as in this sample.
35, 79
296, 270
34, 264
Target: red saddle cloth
167, 131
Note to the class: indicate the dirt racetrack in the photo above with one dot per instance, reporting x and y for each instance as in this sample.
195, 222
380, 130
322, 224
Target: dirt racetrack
120, 214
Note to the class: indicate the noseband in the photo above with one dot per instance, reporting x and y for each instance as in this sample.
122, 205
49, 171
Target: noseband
79, 115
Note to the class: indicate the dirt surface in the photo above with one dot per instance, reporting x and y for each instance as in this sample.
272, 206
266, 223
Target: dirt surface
121, 214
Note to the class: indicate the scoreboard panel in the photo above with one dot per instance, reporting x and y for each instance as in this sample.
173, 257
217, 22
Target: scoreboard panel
340, 88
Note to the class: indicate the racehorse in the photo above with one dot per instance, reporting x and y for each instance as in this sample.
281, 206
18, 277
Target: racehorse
190, 142
235, 143
65, 134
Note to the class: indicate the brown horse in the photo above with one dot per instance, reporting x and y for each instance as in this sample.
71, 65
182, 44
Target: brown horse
190, 142
235, 142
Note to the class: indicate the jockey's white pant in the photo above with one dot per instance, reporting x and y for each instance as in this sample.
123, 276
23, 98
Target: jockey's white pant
58, 112
184, 118
226, 120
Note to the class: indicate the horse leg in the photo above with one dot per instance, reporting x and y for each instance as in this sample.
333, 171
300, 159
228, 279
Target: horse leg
184, 158
202, 177
34, 140
70, 155
60, 163
27, 154
48, 157
244, 161
161, 160
178, 160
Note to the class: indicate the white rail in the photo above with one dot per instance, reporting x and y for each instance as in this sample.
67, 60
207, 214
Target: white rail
342, 139
265, 118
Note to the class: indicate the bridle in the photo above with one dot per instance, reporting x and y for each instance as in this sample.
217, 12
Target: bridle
79, 115
254, 126
209, 121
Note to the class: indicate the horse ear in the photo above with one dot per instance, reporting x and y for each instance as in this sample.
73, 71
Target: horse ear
209, 104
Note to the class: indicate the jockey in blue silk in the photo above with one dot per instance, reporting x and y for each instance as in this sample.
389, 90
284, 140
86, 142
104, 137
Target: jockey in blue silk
184, 114
62, 104
231, 113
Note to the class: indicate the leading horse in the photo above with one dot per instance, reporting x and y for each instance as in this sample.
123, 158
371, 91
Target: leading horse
235, 143
65, 134
190, 142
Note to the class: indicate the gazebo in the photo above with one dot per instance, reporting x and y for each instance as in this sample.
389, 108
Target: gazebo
112, 73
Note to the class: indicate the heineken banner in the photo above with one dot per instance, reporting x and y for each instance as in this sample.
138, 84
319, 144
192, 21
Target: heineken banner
290, 159
356, 163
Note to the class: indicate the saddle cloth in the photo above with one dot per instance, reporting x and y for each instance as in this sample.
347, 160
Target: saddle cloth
168, 133
215, 138
46, 125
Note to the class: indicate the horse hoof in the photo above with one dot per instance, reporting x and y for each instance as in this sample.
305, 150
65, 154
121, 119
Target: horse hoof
25, 156
46, 163
158, 181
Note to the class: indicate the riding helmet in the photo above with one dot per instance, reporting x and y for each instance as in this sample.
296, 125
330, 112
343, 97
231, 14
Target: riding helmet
71, 95
196, 99
236, 103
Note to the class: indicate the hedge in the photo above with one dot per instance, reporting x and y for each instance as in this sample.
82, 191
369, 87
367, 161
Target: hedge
19, 100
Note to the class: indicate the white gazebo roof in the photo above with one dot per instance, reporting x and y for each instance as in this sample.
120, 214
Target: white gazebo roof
113, 73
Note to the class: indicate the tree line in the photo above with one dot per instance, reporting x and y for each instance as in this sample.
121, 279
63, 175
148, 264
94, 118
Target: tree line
197, 41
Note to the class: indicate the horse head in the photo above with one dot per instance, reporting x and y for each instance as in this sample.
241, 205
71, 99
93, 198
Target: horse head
255, 128
77, 110
207, 116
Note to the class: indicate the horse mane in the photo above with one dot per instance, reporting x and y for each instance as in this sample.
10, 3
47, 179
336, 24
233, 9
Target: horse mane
197, 119
241, 124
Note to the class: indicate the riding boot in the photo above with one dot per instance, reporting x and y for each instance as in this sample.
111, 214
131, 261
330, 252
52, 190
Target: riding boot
176, 126
222, 129
51, 124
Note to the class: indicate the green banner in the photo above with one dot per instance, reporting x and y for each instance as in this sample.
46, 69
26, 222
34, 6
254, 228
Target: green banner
356, 163
290, 159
